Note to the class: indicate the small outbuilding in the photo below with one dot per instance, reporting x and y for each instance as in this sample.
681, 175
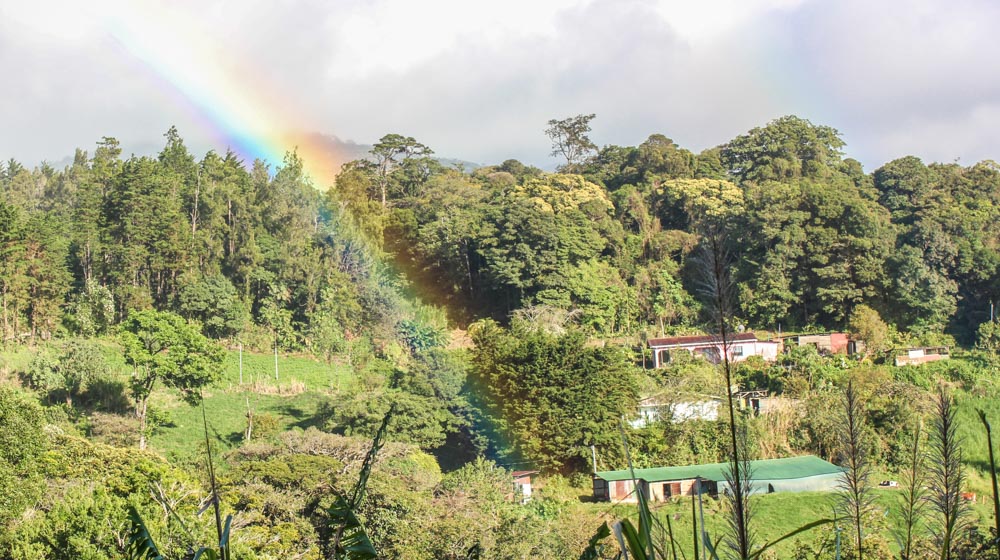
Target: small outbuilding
679, 409
522, 485
917, 356
792, 474
827, 343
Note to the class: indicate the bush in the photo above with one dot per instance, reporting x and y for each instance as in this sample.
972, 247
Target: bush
265, 425
21, 444
113, 429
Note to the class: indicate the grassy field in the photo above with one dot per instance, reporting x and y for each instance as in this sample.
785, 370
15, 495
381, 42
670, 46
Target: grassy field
226, 413
775, 515
259, 368
302, 384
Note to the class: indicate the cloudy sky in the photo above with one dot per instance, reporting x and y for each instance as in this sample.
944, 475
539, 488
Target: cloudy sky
478, 80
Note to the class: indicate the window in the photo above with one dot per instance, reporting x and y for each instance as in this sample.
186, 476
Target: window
737, 350
710, 353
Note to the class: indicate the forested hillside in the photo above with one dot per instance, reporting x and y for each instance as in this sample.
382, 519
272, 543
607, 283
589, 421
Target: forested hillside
501, 315
609, 238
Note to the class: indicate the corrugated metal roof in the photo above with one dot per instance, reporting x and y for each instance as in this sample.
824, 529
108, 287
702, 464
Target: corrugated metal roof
767, 469
700, 339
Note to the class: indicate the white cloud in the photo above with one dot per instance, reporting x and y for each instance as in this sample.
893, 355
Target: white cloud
477, 80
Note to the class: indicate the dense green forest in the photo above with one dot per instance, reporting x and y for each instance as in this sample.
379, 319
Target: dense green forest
500, 312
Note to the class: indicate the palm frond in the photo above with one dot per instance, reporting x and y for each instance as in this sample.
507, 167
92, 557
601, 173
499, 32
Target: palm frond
140, 544
593, 550
790, 534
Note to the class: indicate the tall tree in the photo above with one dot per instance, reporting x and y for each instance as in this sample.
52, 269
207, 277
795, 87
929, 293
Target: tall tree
552, 396
787, 148
162, 348
570, 140
13, 277
390, 153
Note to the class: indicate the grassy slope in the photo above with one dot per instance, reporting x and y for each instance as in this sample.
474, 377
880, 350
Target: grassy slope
302, 385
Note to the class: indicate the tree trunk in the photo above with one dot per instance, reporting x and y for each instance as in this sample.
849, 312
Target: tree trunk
194, 208
6, 321
140, 411
249, 433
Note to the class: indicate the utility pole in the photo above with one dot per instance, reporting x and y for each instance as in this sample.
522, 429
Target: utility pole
593, 456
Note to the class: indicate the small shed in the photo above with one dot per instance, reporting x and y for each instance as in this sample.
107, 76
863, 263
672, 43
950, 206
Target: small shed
522, 485
917, 356
792, 474
828, 343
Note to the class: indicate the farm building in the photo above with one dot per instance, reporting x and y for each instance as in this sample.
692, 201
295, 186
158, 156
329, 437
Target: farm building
917, 356
683, 407
827, 343
679, 409
741, 347
793, 474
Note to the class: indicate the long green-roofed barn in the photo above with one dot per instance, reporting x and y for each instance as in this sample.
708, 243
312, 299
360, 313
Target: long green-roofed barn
793, 474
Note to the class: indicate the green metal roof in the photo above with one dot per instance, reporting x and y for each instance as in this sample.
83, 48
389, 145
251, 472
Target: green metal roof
768, 469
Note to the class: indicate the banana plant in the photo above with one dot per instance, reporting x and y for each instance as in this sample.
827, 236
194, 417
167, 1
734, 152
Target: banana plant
141, 546
350, 540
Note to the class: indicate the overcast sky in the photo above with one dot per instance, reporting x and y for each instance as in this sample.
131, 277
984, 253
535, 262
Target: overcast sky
478, 80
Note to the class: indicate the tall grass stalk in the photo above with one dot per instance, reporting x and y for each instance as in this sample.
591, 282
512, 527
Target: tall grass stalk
914, 500
350, 538
718, 287
645, 517
694, 525
223, 544
946, 476
856, 497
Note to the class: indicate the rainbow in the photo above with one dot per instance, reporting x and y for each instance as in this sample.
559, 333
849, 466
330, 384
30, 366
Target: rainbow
238, 109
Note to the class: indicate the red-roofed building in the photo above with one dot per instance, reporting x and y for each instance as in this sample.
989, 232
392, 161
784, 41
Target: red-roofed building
741, 347
522, 485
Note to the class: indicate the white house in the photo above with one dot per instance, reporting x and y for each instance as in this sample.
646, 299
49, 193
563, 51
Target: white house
695, 407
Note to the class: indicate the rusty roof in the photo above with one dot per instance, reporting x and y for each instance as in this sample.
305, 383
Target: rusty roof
700, 339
